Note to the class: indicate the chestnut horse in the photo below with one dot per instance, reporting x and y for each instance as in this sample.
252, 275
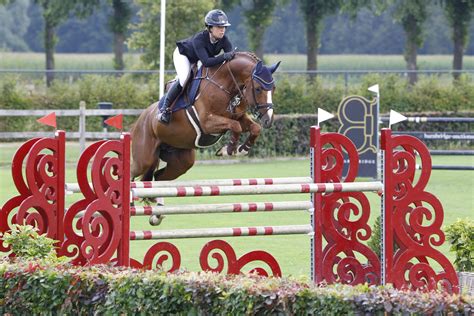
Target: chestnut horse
227, 91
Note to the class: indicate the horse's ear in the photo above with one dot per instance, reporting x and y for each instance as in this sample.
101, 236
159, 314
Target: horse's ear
274, 67
258, 67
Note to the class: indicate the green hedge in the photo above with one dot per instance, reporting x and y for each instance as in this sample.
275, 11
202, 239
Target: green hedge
29, 288
461, 237
294, 94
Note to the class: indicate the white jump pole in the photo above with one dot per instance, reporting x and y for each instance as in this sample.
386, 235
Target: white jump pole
221, 208
221, 232
257, 189
74, 187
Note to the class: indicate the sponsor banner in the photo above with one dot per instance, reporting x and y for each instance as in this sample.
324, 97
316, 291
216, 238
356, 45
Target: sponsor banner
358, 117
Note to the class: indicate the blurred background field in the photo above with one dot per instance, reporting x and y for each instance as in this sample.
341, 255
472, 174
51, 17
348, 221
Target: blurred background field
293, 62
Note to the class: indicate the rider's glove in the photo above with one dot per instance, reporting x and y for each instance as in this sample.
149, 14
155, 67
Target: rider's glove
229, 55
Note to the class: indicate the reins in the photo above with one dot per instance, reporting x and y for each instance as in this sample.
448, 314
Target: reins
211, 80
254, 108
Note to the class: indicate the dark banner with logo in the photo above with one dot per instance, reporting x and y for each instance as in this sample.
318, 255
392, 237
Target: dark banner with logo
358, 117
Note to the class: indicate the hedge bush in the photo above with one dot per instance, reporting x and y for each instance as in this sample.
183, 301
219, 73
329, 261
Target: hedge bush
29, 288
289, 135
461, 237
294, 93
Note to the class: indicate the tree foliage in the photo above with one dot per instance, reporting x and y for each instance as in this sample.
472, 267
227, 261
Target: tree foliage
459, 14
314, 12
183, 19
55, 12
118, 25
258, 16
412, 15
15, 22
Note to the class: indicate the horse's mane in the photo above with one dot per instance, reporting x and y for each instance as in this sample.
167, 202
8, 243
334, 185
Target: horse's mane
251, 55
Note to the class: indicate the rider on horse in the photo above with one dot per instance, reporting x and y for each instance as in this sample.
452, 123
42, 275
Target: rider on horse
203, 46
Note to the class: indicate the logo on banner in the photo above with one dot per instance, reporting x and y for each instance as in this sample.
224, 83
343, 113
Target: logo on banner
358, 118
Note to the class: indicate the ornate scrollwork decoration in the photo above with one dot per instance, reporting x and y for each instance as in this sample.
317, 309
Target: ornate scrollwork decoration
40, 201
340, 219
160, 253
413, 219
100, 220
234, 265
345, 219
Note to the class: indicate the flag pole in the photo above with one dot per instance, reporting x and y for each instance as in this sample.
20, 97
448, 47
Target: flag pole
162, 47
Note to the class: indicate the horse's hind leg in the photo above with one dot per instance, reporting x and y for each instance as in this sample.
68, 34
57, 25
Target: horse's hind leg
178, 161
145, 153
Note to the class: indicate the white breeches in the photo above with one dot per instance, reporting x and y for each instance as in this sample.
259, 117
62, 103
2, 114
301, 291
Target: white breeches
182, 66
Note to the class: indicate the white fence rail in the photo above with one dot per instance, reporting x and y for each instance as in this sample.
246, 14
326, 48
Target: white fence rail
82, 113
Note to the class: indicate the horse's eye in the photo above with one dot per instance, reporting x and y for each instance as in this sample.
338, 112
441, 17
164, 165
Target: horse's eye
258, 90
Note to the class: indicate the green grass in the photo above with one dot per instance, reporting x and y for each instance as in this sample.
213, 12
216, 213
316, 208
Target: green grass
455, 190
289, 62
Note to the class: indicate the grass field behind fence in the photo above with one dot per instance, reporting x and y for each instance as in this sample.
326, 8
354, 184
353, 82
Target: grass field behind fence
455, 189
289, 62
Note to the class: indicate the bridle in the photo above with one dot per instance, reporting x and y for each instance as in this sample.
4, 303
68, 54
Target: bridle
255, 107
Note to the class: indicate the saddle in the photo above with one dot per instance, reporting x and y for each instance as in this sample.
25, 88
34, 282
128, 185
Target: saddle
186, 101
189, 93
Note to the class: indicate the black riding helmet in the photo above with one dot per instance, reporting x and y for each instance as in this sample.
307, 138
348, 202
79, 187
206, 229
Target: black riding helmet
216, 18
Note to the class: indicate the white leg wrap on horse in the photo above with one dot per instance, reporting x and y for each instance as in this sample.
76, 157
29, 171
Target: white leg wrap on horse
223, 151
243, 150
160, 201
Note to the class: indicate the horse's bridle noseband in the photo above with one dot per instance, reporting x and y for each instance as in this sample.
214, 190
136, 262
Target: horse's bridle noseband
255, 107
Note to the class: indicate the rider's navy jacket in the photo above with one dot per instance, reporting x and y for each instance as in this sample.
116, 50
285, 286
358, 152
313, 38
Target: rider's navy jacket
199, 47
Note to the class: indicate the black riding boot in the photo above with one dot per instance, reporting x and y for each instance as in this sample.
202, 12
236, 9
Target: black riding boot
165, 115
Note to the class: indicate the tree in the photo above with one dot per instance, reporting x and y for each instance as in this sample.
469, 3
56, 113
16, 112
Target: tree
183, 19
411, 14
459, 14
314, 12
54, 13
118, 24
258, 17
15, 22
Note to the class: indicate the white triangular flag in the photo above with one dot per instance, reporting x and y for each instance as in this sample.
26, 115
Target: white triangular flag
374, 88
395, 118
323, 116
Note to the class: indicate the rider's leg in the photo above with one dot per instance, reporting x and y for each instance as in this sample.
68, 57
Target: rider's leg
182, 66
175, 90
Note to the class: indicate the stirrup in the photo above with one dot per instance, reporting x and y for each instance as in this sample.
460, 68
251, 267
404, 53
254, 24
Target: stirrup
165, 116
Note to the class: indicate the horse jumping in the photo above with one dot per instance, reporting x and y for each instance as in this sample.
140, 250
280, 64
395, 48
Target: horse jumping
226, 93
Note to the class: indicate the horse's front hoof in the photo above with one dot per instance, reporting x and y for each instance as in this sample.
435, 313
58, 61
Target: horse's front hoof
225, 151
156, 220
242, 151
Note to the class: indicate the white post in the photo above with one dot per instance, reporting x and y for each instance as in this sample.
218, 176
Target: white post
375, 89
162, 47
378, 162
82, 126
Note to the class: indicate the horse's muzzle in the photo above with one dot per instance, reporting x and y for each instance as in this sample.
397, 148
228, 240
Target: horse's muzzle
267, 119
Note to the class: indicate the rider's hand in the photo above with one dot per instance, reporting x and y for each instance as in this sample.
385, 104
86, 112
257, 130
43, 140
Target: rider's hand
229, 55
